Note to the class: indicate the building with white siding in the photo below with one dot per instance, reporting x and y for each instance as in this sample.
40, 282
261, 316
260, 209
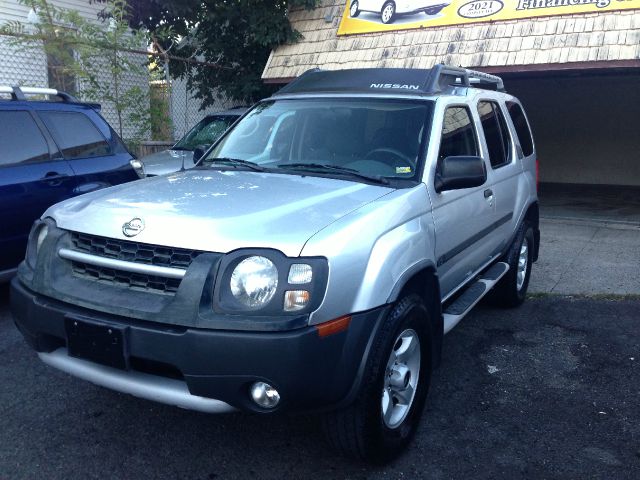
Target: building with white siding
30, 66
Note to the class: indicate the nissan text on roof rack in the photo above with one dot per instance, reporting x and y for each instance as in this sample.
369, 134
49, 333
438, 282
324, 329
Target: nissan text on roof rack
52, 147
312, 260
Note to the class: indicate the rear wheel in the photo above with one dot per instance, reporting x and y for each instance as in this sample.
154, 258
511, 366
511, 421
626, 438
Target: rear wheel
387, 409
354, 9
388, 12
511, 290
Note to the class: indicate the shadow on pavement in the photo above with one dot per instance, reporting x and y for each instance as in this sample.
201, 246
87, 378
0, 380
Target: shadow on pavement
548, 390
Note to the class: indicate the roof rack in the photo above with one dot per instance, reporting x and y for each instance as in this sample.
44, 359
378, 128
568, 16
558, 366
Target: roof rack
445, 76
439, 79
19, 93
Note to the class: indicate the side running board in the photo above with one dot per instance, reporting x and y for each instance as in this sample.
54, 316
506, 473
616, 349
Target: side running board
472, 294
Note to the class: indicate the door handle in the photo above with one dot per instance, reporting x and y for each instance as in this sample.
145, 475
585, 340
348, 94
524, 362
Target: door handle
54, 179
488, 193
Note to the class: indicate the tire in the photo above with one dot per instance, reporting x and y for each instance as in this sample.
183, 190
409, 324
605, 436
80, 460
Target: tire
433, 11
354, 9
388, 12
361, 430
511, 290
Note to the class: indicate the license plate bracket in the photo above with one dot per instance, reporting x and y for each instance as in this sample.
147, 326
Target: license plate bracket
100, 343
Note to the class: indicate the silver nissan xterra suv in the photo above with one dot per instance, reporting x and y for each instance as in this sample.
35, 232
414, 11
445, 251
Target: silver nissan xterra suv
312, 261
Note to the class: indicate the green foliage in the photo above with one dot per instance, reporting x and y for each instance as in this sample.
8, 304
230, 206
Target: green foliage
233, 37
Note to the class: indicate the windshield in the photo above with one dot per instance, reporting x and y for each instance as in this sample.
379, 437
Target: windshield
205, 132
381, 137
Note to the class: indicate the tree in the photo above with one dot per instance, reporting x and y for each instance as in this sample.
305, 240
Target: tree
94, 59
231, 38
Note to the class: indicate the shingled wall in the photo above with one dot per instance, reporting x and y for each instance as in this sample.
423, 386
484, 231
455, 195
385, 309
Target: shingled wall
602, 38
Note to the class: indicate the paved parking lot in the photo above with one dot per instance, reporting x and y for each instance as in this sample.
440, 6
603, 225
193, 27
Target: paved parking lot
550, 390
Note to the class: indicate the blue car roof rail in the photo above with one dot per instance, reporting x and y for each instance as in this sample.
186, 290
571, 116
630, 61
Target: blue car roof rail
20, 94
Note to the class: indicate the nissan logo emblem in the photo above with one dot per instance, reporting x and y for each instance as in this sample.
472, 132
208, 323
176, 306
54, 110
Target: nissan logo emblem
133, 227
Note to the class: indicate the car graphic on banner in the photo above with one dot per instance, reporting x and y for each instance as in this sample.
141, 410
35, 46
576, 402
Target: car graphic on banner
367, 16
389, 10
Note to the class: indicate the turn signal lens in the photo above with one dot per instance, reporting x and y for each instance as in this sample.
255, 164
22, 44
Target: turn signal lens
333, 326
295, 300
300, 273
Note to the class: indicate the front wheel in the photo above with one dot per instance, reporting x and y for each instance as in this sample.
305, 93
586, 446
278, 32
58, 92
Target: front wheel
387, 409
511, 290
354, 9
388, 13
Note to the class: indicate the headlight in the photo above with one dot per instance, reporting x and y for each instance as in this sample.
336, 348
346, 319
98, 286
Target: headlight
254, 281
138, 166
42, 234
39, 232
265, 283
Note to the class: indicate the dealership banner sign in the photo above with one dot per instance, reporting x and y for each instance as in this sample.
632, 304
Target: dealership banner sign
365, 16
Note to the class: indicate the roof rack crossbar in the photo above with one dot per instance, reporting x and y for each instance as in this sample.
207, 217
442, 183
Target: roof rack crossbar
19, 93
442, 76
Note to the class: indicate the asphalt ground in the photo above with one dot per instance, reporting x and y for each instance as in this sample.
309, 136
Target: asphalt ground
548, 390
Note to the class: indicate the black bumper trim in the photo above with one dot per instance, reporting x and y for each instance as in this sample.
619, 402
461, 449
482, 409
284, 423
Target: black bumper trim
309, 372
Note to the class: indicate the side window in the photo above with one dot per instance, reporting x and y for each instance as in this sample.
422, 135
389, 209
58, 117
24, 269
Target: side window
21, 140
496, 133
75, 134
458, 134
522, 127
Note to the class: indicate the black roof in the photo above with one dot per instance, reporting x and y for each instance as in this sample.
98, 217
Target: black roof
439, 79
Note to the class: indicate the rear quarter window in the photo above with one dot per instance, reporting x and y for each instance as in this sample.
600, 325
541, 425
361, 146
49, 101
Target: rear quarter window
522, 127
75, 134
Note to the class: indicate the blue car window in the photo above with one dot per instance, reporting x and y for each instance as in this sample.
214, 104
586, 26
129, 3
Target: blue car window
76, 135
21, 140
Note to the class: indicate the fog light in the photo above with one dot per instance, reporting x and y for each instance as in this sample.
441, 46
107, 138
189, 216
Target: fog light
295, 300
265, 395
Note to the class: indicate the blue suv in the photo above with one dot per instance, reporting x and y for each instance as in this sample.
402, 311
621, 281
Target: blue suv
50, 151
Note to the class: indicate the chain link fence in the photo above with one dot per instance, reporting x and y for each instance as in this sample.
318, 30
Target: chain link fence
168, 107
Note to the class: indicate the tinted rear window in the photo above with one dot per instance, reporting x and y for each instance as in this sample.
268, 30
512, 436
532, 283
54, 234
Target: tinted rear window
522, 127
76, 135
496, 133
20, 139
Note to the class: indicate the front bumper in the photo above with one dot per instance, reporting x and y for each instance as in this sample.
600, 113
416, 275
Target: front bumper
205, 369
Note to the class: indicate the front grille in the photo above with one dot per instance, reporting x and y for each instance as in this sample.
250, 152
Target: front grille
130, 252
135, 281
133, 251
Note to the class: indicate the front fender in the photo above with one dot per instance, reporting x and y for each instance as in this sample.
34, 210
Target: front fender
371, 250
396, 256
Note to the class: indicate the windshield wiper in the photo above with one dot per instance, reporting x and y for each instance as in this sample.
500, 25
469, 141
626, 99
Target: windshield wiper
335, 168
239, 163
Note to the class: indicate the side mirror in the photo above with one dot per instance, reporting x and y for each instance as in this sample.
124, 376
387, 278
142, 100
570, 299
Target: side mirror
199, 151
455, 173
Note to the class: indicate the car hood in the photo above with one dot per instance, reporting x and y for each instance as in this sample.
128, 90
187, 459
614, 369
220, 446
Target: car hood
218, 210
167, 161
